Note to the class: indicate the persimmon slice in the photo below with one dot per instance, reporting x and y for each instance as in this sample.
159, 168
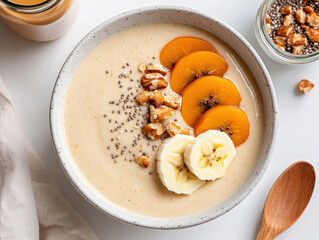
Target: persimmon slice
205, 93
194, 66
182, 46
229, 119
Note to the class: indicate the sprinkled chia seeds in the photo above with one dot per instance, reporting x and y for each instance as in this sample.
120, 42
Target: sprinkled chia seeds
129, 117
137, 117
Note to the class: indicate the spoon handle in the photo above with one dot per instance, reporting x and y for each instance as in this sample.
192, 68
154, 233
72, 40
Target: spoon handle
266, 232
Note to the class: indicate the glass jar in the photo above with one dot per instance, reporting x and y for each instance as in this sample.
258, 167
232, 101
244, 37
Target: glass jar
39, 20
270, 47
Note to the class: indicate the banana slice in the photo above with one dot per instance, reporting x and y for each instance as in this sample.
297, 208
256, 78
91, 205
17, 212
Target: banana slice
171, 167
210, 155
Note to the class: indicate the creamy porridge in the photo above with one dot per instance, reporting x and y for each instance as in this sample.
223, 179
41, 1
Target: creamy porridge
103, 123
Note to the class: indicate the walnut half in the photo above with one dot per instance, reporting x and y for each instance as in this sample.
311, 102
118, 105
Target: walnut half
153, 81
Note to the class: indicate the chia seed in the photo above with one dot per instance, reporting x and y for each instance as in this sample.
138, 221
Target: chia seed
135, 116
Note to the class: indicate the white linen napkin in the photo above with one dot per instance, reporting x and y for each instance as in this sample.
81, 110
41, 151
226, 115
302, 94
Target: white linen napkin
31, 206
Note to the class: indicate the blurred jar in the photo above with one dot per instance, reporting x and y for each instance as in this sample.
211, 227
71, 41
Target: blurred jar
39, 20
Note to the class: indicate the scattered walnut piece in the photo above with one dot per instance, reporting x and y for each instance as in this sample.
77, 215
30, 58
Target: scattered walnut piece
305, 86
284, 31
301, 15
156, 69
280, 40
174, 128
142, 160
142, 97
297, 49
297, 40
153, 130
288, 20
142, 68
157, 98
173, 102
153, 81
313, 19
313, 34
286, 10
308, 9
160, 113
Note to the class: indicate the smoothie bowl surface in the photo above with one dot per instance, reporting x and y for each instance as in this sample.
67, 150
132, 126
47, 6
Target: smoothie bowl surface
120, 193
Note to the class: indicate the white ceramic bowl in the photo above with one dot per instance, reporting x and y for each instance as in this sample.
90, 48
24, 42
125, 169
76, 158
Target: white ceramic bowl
176, 15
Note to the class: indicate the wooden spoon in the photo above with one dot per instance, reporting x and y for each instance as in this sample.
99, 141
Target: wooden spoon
287, 200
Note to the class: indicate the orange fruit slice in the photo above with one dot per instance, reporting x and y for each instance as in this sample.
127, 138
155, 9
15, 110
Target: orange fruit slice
194, 66
182, 46
228, 119
205, 93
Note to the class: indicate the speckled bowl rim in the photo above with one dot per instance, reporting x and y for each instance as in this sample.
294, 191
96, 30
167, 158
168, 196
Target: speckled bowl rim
95, 198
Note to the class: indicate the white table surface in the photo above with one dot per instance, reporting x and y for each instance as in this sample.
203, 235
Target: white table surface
29, 70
